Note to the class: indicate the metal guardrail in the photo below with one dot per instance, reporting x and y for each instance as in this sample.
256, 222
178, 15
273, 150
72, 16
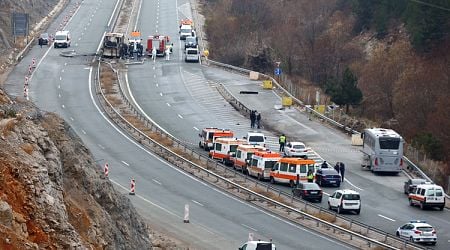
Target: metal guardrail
313, 112
267, 187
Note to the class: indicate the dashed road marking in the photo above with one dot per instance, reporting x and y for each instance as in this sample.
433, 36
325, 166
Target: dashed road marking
198, 203
101, 146
249, 227
161, 94
181, 117
60, 78
157, 182
71, 118
387, 218
168, 104
196, 128
62, 106
82, 131
125, 163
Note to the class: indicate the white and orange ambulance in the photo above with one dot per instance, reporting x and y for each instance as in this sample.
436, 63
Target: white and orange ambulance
287, 169
243, 156
225, 148
209, 135
262, 163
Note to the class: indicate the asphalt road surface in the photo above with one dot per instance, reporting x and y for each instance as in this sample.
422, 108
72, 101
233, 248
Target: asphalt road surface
175, 93
63, 85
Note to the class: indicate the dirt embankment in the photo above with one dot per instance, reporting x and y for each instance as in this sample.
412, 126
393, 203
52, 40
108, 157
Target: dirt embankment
52, 194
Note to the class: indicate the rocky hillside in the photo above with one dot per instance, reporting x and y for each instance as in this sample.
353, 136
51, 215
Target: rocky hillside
52, 194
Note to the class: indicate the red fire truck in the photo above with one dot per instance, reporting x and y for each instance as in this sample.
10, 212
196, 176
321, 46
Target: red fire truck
160, 43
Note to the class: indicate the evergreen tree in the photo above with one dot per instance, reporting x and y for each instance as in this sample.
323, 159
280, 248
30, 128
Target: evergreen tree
344, 92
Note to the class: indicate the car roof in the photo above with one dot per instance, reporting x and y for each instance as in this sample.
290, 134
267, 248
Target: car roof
347, 191
254, 133
186, 26
420, 224
434, 186
310, 184
329, 171
417, 180
296, 143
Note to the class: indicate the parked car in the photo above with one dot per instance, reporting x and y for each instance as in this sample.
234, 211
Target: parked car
345, 200
308, 191
258, 245
328, 176
411, 184
427, 195
418, 231
295, 149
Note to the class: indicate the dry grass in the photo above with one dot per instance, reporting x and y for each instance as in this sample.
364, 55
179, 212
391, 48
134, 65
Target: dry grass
8, 127
27, 147
115, 101
270, 195
326, 217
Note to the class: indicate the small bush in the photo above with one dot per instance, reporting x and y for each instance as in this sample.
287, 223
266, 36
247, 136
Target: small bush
28, 148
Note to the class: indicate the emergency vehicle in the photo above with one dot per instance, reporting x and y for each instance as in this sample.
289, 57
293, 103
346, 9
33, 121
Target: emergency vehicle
186, 28
159, 42
186, 22
209, 135
262, 163
287, 169
243, 156
225, 148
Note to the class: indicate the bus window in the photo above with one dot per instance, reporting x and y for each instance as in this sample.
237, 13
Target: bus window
303, 168
389, 143
218, 146
283, 167
254, 162
238, 154
269, 164
276, 167
311, 167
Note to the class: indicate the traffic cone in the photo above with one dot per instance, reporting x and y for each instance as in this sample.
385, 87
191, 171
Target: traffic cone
29, 69
25, 92
26, 80
186, 213
33, 63
133, 184
106, 169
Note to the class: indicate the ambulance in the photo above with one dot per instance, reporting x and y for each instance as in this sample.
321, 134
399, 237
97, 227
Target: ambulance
287, 169
225, 148
243, 156
209, 135
262, 163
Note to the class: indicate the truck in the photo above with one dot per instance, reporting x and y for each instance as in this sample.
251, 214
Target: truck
159, 42
186, 28
209, 135
62, 39
113, 44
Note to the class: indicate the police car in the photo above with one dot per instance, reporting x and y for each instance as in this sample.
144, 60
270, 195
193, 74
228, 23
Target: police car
418, 231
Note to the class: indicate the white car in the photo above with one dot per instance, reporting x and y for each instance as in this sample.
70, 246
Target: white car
418, 231
258, 245
295, 149
256, 138
345, 200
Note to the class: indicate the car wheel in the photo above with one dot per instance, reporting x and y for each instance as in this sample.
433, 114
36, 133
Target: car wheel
433, 243
422, 206
411, 203
411, 239
397, 234
272, 180
441, 208
358, 211
329, 206
339, 210
291, 183
319, 200
259, 177
338, 185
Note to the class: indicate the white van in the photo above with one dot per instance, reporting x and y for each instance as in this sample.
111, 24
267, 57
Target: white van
192, 55
427, 195
62, 39
258, 245
185, 31
345, 200
256, 138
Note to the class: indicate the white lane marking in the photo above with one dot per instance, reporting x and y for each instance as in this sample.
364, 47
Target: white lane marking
112, 15
162, 208
249, 227
124, 162
154, 76
198, 203
101, 146
161, 94
157, 182
353, 184
59, 95
181, 117
62, 71
153, 67
168, 104
185, 174
79, 38
157, 85
63, 106
71, 118
76, 44
138, 15
60, 78
82, 131
325, 193
65, 64
196, 128
387, 218
59, 86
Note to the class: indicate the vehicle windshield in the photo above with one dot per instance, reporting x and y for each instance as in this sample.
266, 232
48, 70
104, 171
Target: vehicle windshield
431, 192
256, 138
299, 146
352, 197
425, 229
389, 143
233, 148
60, 37
190, 39
185, 30
44, 35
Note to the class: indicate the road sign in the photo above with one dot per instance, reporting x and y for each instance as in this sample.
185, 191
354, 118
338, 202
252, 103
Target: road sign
277, 71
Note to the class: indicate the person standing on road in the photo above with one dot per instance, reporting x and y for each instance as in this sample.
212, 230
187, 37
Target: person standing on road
282, 141
252, 118
258, 120
324, 164
167, 53
336, 167
154, 54
40, 41
310, 176
342, 170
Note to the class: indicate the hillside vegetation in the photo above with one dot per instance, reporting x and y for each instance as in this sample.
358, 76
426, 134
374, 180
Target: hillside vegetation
388, 60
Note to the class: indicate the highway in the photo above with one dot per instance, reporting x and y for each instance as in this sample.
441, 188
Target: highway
65, 86
173, 93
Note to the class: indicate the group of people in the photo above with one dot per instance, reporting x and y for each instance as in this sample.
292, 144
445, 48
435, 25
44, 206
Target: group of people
255, 119
339, 167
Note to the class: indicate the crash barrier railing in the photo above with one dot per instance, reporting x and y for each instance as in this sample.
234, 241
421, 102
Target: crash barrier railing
214, 164
411, 166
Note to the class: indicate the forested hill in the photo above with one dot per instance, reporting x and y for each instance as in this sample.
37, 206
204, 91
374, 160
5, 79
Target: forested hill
395, 55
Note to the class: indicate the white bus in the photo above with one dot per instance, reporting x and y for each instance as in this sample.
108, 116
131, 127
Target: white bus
382, 150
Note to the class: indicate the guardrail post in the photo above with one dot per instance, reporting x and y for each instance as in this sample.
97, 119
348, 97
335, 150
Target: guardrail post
351, 222
292, 197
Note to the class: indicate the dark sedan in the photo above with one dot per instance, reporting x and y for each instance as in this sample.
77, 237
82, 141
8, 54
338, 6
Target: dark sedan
412, 183
308, 191
328, 176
